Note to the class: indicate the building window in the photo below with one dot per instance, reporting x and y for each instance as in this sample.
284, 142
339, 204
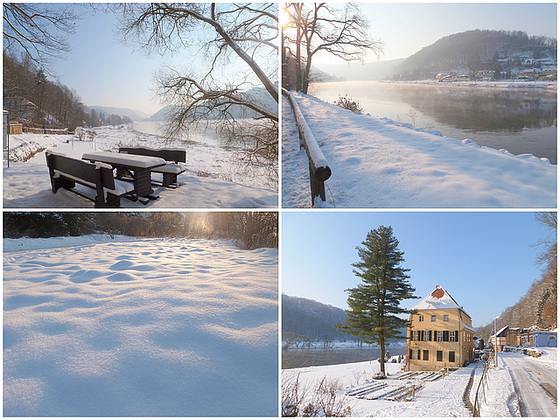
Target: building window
452, 336
446, 318
452, 356
418, 353
427, 336
440, 356
439, 335
420, 318
415, 335
426, 354
433, 318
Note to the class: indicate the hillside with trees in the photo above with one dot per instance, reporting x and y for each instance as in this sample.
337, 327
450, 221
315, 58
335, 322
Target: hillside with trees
34, 100
250, 230
310, 320
538, 307
37, 102
476, 50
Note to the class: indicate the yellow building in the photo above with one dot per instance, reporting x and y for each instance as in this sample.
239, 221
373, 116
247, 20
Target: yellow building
440, 334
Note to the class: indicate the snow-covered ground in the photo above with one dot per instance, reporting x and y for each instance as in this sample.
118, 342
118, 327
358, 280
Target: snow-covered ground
139, 327
437, 398
384, 163
215, 177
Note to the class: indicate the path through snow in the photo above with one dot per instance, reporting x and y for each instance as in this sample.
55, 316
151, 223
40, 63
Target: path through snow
383, 163
535, 382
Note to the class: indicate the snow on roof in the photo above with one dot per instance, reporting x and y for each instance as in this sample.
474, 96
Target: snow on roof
438, 299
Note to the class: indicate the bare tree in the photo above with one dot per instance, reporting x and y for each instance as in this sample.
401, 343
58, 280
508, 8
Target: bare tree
38, 29
322, 27
242, 33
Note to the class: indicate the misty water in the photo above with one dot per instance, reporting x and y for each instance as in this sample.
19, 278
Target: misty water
520, 120
201, 135
319, 356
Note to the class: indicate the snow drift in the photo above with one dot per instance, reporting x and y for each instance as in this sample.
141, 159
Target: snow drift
141, 327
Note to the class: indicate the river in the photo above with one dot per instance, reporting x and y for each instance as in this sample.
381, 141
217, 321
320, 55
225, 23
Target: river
303, 357
204, 135
520, 120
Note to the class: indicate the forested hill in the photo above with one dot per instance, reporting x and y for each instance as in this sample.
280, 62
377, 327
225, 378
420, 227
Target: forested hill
311, 319
36, 101
476, 50
538, 308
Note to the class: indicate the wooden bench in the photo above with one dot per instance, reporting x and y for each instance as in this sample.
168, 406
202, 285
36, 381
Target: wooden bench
65, 172
171, 169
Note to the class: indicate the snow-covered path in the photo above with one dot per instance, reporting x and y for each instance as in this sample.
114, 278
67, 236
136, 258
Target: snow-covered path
535, 382
382, 163
141, 327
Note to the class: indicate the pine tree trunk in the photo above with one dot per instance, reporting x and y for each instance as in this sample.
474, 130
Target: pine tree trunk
382, 358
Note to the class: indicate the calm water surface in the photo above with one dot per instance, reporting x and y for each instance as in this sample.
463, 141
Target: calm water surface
197, 135
521, 120
295, 358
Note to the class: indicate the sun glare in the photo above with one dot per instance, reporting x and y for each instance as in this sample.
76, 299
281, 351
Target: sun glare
284, 15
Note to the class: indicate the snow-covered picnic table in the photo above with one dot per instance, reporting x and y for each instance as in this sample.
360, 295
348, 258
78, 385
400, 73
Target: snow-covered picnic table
138, 166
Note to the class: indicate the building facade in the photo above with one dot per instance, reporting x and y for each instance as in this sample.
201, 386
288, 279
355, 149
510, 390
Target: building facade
440, 334
539, 339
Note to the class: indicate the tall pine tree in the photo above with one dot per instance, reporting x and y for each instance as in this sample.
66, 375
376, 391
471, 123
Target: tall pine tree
374, 304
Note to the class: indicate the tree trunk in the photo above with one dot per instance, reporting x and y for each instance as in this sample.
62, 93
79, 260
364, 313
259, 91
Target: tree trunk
382, 358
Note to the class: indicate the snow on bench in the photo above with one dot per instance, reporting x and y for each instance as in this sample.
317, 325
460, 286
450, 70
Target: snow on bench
173, 157
65, 172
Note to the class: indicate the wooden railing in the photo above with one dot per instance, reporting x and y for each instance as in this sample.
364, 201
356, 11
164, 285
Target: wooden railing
319, 170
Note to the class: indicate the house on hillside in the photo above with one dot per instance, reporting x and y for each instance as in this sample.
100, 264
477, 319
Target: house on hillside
539, 339
440, 334
506, 337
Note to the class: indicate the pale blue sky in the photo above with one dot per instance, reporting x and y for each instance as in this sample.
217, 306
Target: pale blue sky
484, 260
104, 70
405, 28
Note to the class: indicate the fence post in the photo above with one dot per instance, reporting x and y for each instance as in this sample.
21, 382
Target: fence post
319, 170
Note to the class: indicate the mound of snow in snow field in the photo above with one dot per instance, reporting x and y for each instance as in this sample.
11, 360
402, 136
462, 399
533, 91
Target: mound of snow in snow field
381, 163
215, 177
141, 328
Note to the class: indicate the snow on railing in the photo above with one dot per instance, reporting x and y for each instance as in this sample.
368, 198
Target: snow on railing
319, 170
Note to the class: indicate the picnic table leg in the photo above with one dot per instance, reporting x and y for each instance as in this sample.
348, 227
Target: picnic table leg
143, 183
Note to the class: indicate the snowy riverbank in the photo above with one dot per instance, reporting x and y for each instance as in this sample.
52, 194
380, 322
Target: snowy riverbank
384, 163
139, 327
215, 177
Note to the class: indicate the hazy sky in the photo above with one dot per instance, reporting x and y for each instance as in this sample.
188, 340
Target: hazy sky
104, 71
405, 28
486, 261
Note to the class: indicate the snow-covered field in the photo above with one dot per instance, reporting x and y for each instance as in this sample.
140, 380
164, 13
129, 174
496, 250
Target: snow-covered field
215, 177
383, 163
438, 398
139, 327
